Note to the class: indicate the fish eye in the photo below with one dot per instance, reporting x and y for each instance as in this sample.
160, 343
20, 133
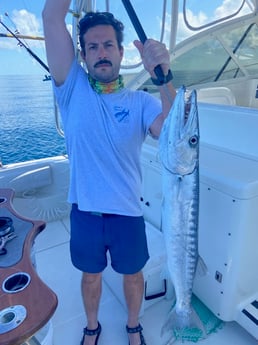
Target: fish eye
193, 141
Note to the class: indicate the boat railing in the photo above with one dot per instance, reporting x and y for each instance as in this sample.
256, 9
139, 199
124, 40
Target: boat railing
212, 23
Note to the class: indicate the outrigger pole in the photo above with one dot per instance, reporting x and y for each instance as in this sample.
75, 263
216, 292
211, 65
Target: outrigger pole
27, 48
141, 34
28, 37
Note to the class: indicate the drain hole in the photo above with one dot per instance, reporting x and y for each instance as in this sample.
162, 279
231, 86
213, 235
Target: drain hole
2, 200
16, 282
8, 317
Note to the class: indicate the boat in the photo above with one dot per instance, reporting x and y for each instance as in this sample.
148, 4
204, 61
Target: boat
219, 59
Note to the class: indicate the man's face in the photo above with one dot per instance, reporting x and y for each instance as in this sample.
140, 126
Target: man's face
102, 54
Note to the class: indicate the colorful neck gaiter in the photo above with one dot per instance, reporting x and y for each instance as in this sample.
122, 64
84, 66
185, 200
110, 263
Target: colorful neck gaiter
102, 88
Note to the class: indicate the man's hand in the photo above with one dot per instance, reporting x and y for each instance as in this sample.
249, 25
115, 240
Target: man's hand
153, 53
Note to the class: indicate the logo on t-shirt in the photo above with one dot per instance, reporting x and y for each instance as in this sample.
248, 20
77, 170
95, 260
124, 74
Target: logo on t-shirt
121, 114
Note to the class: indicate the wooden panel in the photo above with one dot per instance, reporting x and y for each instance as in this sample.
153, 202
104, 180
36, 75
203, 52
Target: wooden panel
38, 299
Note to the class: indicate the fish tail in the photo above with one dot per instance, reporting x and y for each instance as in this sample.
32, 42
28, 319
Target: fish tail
184, 326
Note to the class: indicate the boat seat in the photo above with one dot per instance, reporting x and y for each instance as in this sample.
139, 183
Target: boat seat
216, 95
31, 179
34, 194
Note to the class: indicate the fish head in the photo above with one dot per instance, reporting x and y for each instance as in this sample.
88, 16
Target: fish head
179, 138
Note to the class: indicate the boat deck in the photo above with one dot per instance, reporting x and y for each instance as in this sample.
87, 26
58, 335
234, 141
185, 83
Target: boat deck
55, 268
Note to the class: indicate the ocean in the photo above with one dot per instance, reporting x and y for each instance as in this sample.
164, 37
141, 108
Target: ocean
27, 123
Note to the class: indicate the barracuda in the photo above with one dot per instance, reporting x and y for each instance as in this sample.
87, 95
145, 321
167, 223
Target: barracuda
179, 155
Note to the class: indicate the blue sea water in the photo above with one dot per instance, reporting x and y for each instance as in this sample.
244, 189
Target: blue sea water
27, 124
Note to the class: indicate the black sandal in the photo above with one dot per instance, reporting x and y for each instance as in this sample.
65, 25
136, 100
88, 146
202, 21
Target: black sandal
90, 332
137, 329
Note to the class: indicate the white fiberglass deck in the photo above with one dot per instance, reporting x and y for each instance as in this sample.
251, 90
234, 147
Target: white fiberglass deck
55, 268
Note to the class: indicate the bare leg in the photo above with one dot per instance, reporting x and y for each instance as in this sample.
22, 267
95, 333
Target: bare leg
91, 293
133, 289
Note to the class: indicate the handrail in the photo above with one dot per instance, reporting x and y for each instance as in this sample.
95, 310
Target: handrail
174, 24
195, 28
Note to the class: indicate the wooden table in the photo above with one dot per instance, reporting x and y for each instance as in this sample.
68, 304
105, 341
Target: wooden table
26, 302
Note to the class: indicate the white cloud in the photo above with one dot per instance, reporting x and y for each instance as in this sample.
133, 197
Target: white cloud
228, 7
131, 55
198, 19
194, 20
183, 31
25, 23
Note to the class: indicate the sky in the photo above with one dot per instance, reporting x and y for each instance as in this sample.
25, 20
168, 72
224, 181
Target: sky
25, 16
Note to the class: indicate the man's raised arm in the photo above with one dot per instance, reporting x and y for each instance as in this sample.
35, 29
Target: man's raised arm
59, 45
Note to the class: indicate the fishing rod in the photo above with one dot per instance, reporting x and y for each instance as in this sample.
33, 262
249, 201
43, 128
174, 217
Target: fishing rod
142, 36
27, 48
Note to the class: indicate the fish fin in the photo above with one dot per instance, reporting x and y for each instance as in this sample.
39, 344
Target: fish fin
183, 326
201, 268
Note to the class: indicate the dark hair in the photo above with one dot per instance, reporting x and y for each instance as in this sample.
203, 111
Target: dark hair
92, 19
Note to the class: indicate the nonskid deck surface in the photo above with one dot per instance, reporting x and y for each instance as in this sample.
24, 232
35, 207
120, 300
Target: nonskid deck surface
55, 268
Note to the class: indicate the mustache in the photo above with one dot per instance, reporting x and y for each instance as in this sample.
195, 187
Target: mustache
103, 62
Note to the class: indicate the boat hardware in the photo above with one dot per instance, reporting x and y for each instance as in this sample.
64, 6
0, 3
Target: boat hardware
16, 282
155, 295
11, 318
6, 226
4, 240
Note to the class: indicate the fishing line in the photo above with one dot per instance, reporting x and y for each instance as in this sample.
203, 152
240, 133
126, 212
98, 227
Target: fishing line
25, 46
33, 26
11, 21
16, 30
21, 41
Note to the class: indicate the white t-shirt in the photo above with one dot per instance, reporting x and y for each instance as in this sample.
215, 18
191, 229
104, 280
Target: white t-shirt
104, 134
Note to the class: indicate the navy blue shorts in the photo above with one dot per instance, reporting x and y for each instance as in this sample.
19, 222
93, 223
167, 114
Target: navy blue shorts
93, 234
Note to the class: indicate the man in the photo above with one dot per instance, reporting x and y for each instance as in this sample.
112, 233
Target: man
105, 125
